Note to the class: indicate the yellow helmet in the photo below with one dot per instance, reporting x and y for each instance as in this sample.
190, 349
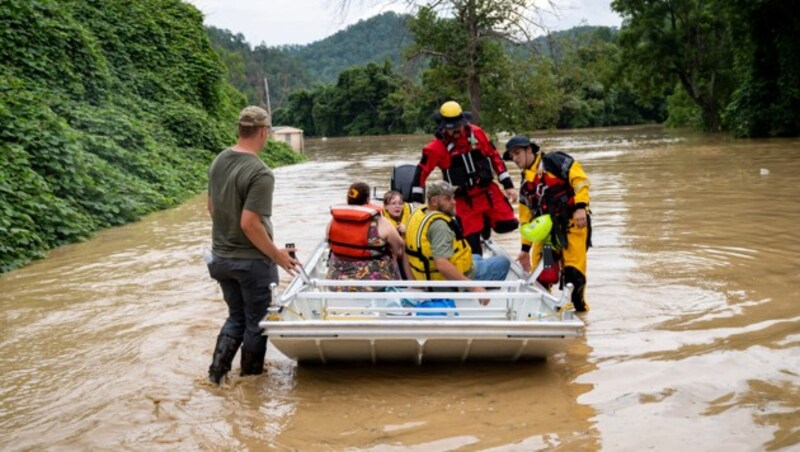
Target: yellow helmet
451, 110
451, 115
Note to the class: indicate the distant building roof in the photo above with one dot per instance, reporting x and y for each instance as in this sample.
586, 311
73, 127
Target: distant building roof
286, 129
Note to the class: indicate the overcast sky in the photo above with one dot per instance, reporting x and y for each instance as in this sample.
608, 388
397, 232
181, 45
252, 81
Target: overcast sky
277, 22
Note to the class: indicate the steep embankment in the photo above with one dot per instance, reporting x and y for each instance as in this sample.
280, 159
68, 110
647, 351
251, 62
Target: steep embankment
108, 110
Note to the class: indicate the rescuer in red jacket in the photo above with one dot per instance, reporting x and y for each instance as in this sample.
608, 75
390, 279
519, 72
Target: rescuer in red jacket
468, 160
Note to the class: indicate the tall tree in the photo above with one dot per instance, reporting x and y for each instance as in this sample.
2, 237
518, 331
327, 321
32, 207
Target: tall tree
766, 37
679, 41
462, 39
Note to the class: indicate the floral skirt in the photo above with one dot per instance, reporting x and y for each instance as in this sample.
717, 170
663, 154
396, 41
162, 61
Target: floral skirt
340, 268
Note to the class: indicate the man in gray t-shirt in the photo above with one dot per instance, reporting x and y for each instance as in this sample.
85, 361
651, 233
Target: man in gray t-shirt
244, 259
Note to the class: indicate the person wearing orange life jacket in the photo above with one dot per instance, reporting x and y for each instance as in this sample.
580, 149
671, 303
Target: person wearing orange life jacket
363, 244
554, 183
468, 160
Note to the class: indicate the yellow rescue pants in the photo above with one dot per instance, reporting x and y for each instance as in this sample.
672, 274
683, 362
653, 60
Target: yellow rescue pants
573, 256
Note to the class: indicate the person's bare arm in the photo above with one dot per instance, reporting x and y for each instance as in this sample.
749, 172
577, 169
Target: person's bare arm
450, 272
524, 259
257, 234
396, 243
407, 267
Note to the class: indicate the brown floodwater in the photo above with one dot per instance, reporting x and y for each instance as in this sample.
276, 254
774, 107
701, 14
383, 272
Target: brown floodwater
692, 341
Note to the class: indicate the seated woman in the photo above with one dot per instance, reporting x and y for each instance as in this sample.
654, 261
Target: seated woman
396, 210
364, 245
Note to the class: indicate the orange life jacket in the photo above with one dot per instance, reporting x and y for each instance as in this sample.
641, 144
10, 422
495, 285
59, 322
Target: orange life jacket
348, 232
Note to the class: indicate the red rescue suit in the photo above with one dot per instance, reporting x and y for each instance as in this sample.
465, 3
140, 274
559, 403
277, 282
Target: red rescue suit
468, 162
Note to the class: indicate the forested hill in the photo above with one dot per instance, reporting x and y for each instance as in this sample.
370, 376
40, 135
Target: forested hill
292, 67
108, 110
373, 40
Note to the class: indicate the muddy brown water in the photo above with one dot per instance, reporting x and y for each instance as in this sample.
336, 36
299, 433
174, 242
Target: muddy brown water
692, 341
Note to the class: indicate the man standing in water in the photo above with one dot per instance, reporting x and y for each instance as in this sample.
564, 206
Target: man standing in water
244, 258
554, 184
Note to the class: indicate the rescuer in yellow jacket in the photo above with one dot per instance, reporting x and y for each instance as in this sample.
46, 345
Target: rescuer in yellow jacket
554, 184
437, 249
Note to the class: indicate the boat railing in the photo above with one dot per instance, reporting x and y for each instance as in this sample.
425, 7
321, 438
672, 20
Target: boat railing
413, 295
511, 299
410, 313
415, 283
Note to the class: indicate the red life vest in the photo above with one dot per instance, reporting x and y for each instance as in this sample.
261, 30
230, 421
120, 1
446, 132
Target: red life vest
469, 166
348, 232
550, 191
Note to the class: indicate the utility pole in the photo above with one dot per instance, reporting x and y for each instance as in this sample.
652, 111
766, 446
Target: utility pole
266, 94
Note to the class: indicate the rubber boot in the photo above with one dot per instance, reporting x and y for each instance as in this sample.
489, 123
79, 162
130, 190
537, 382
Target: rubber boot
574, 276
223, 357
252, 363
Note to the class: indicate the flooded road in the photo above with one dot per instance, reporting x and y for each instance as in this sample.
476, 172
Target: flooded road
692, 341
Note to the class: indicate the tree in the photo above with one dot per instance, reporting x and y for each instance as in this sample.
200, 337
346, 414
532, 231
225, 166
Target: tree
462, 38
766, 46
528, 99
679, 41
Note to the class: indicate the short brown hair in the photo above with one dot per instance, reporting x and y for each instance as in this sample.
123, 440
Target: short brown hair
249, 131
358, 194
387, 197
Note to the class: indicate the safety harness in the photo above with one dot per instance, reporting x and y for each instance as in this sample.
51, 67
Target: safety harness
468, 169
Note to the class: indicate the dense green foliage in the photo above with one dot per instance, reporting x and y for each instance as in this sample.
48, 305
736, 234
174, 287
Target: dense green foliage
364, 101
717, 65
736, 61
566, 79
373, 40
247, 68
766, 45
291, 68
575, 83
109, 110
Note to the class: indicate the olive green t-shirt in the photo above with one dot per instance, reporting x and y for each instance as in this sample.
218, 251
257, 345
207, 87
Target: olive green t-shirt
441, 237
237, 181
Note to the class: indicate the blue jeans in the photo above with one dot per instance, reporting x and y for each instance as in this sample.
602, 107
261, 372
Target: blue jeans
493, 269
245, 287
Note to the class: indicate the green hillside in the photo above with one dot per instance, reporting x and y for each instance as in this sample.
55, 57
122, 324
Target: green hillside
292, 67
372, 40
108, 110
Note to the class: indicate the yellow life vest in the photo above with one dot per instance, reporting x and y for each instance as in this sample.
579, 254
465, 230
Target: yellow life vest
418, 247
404, 216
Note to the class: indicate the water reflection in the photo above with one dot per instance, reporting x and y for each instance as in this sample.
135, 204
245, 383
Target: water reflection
434, 406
